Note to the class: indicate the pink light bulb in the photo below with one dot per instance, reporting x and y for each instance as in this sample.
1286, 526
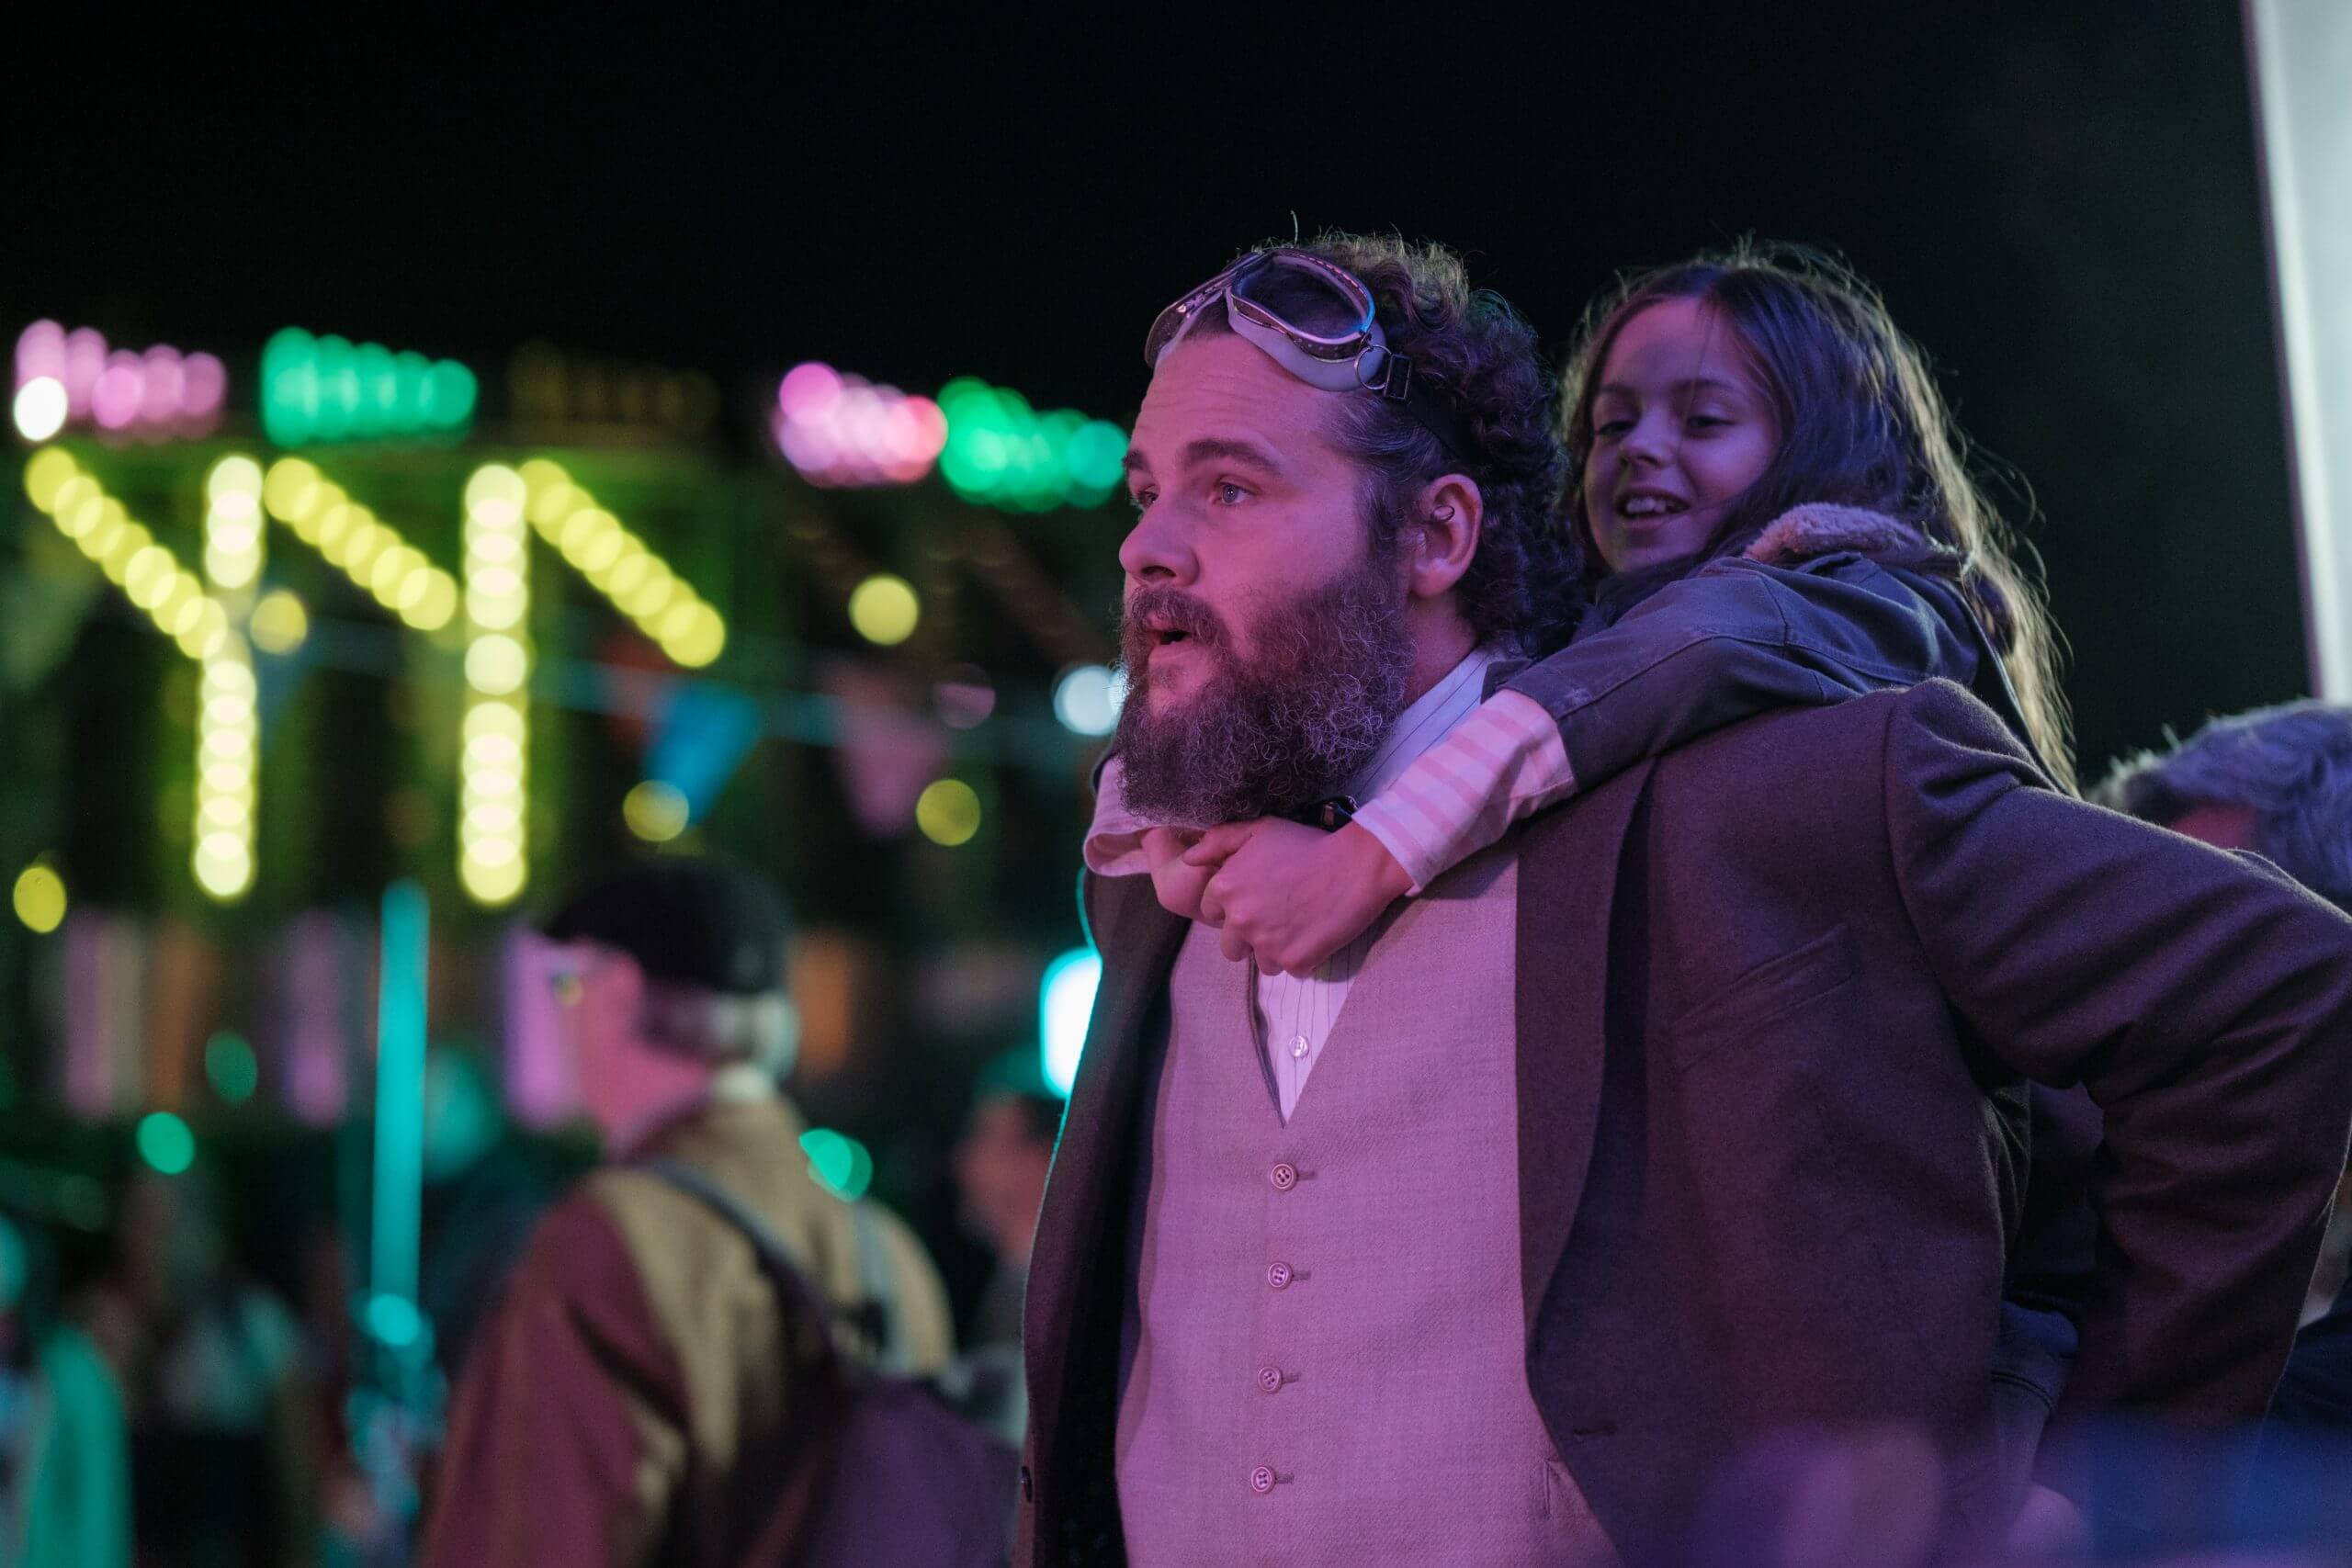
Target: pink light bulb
161, 383
808, 447
41, 351
807, 389
86, 359
930, 427
204, 386
115, 397
865, 422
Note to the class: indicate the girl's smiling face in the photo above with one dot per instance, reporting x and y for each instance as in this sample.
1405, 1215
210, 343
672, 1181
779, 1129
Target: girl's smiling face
1681, 427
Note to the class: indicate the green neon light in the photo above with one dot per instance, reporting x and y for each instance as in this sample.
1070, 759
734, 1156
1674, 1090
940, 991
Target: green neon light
840, 1163
1002, 453
328, 388
400, 1092
165, 1143
228, 1062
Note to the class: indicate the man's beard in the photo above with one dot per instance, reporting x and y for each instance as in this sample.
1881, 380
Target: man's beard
1271, 737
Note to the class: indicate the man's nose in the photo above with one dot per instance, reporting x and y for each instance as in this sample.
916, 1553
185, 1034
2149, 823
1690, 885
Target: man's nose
1155, 552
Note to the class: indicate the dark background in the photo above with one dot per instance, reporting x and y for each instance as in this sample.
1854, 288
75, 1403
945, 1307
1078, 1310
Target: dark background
2063, 208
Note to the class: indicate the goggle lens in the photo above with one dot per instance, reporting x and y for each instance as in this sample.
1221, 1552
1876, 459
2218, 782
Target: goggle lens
1321, 308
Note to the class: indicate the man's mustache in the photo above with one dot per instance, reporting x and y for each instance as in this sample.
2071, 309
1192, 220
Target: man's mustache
1150, 612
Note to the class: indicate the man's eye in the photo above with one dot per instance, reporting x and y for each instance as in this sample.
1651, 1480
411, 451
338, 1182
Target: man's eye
1230, 495
1141, 500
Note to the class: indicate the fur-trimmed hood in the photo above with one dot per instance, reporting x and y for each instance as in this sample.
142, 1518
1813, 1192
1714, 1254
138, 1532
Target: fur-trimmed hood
1818, 528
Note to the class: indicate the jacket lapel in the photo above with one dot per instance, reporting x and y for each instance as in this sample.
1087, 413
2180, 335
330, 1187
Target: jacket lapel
1138, 940
1567, 888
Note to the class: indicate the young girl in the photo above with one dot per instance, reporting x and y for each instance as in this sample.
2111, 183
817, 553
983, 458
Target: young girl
1772, 508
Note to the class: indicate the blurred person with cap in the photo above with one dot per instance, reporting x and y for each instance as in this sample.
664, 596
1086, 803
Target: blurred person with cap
629, 1399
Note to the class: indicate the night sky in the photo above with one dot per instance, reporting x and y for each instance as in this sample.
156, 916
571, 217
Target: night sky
2065, 211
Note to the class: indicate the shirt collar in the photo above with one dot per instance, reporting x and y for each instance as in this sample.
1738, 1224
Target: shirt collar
1426, 722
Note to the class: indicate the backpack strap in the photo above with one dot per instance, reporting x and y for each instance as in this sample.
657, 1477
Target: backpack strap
783, 1275
785, 1535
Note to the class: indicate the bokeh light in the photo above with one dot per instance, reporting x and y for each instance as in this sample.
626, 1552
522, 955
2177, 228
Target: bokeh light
1002, 453
840, 1164
655, 810
395, 1321
328, 389
1065, 1009
228, 754
279, 624
234, 544
964, 697
40, 408
165, 1143
358, 544
492, 773
1088, 697
948, 812
148, 573
639, 583
230, 1065
72, 379
494, 760
884, 610
39, 898
840, 430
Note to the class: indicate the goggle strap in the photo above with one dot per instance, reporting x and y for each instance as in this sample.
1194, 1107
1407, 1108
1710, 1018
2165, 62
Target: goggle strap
1428, 410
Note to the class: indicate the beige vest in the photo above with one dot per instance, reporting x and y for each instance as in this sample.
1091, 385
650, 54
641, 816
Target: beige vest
1324, 1354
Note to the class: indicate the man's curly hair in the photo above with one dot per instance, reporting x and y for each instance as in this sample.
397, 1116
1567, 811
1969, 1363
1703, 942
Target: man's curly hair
1481, 358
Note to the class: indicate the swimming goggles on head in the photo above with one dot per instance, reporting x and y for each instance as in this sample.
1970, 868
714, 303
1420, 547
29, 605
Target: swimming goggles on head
1356, 357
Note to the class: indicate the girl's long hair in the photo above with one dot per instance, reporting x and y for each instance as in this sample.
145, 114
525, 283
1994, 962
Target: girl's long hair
1861, 425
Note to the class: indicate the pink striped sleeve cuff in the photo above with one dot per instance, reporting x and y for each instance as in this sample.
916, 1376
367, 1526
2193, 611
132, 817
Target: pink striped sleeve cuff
1114, 838
1503, 762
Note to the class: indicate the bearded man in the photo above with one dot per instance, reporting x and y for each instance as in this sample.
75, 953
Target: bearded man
1687, 1113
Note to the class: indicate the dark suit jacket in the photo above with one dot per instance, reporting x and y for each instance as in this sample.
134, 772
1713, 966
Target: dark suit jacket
1777, 992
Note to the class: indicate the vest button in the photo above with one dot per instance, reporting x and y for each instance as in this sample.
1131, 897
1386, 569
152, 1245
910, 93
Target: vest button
1284, 1177
1261, 1481
1278, 1276
1270, 1380
1299, 1047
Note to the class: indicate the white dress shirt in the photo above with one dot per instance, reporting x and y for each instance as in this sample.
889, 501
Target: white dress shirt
1296, 1016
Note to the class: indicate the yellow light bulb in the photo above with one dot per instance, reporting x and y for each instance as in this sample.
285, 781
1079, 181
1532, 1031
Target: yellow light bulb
496, 665
287, 490
279, 623
885, 610
948, 812
496, 487
40, 898
236, 476
439, 604
46, 474
655, 811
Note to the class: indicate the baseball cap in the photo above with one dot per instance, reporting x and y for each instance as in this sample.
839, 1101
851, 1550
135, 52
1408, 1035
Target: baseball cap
694, 922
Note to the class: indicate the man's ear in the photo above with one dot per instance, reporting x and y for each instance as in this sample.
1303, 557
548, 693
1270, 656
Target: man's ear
1440, 534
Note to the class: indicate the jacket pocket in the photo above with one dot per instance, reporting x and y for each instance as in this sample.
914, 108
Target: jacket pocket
1775, 988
